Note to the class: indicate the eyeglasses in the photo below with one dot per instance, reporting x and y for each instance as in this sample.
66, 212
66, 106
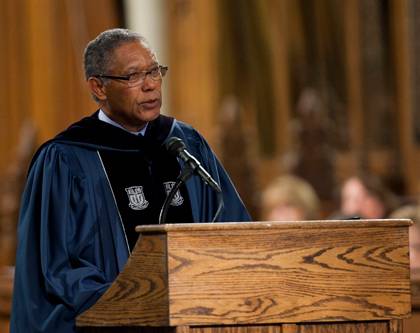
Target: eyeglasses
137, 78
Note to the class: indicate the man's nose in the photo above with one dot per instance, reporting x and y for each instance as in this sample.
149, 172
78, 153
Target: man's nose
149, 83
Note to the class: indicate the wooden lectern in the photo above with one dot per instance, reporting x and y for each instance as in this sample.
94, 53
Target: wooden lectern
261, 277
412, 324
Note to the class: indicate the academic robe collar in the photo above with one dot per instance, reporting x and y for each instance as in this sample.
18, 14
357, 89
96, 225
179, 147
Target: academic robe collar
96, 133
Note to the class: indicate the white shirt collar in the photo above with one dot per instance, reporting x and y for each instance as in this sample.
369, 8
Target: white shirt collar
102, 116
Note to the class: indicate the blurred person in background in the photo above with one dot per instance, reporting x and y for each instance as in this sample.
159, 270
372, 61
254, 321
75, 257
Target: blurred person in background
411, 212
365, 196
290, 198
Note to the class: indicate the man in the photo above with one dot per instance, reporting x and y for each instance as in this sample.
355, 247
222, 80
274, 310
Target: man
92, 184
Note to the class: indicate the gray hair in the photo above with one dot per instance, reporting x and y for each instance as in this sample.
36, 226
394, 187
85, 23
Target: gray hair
98, 52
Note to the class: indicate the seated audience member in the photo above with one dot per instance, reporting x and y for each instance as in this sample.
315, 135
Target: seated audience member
365, 196
411, 212
289, 198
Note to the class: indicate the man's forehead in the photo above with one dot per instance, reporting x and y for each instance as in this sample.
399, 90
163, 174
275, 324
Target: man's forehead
134, 54
130, 47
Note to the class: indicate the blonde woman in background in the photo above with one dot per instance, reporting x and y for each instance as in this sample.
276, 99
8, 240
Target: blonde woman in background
290, 198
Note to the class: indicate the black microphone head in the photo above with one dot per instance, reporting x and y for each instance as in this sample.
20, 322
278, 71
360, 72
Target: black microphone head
174, 145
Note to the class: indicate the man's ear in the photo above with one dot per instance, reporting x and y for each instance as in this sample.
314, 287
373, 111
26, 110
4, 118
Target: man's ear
97, 88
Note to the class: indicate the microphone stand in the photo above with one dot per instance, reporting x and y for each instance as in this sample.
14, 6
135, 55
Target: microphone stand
219, 207
186, 173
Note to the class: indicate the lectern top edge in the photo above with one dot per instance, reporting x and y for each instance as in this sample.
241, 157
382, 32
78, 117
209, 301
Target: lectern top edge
315, 224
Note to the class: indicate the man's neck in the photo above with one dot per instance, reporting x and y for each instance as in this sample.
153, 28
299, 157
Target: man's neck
104, 117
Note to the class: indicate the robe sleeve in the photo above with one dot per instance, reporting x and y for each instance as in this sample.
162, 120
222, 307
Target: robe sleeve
234, 209
59, 270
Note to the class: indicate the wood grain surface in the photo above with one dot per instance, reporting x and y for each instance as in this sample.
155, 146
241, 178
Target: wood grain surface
272, 273
139, 296
288, 275
343, 327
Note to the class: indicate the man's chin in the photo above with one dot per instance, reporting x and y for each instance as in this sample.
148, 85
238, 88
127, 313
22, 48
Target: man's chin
149, 115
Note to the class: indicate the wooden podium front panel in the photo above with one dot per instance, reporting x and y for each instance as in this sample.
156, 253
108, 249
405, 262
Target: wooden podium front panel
139, 296
412, 324
367, 327
288, 275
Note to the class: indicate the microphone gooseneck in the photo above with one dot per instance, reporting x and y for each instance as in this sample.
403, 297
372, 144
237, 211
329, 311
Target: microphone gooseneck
177, 147
183, 176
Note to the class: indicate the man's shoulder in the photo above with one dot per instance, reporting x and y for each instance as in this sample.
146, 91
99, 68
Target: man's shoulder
187, 131
59, 147
59, 154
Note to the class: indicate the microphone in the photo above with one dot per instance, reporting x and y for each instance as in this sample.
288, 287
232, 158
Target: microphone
176, 147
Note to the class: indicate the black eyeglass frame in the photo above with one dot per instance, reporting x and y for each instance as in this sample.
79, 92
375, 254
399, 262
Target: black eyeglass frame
162, 70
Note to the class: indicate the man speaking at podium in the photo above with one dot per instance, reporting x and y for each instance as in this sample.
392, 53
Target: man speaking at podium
92, 184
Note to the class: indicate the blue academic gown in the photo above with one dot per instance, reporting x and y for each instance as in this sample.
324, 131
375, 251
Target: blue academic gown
71, 241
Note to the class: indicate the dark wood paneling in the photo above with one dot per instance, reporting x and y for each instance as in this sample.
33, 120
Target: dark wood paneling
41, 64
193, 43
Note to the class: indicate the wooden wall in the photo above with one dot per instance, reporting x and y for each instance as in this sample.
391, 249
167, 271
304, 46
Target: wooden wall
353, 64
192, 45
42, 90
41, 64
355, 61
